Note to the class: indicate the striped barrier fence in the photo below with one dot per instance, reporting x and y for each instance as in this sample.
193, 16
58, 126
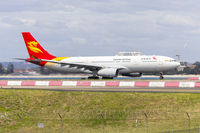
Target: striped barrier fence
168, 84
194, 78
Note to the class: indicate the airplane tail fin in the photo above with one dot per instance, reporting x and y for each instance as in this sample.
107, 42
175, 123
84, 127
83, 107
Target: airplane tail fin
35, 50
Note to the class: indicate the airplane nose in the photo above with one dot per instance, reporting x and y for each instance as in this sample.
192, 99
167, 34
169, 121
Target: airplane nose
178, 64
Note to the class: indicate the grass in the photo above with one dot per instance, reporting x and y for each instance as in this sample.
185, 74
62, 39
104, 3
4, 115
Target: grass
83, 111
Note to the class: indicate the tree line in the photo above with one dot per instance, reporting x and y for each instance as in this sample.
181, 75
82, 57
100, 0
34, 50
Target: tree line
189, 69
6, 70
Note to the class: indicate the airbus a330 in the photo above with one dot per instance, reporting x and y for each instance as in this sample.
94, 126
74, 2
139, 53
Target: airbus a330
99, 66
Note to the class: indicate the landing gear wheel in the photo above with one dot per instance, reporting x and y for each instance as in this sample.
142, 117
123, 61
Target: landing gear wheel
107, 77
161, 76
93, 77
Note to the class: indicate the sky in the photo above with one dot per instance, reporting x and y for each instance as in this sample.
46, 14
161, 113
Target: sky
102, 27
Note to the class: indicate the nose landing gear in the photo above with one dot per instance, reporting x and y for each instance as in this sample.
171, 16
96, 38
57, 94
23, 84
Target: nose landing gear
161, 76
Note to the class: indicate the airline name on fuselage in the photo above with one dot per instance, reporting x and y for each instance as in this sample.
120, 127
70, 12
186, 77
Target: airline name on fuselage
122, 60
149, 59
143, 59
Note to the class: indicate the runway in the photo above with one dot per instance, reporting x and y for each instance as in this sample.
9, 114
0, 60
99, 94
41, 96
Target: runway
85, 78
107, 89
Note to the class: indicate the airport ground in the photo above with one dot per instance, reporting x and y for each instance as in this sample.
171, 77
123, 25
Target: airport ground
95, 112
81, 111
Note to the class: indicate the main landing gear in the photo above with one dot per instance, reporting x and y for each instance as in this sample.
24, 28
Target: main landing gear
107, 77
161, 76
93, 77
96, 77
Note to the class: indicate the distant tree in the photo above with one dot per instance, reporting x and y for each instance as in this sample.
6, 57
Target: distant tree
197, 63
1, 69
10, 68
44, 71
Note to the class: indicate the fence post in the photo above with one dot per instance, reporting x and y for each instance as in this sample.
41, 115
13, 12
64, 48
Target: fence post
146, 122
199, 129
102, 121
188, 115
21, 122
136, 122
61, 120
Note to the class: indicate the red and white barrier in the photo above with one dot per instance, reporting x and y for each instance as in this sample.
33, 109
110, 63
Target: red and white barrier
112, 83
142, 84
28, 83
41, 83
98, 83
69, 83
187, 84
172, 84
55, 83
194, 78
126, 84
83, 83
156, 84
3, 83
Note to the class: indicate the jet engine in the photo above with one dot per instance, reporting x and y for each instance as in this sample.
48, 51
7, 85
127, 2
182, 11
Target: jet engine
133, 74
108, 72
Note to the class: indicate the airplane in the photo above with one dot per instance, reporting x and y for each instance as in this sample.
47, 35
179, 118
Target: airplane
106, 67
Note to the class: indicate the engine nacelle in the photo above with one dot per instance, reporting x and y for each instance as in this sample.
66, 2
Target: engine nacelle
108, 72
133, 74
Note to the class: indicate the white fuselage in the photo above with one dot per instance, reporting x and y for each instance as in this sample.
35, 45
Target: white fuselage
130, 64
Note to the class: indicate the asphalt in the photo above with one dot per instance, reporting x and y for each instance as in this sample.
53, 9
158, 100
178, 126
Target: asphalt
110, 89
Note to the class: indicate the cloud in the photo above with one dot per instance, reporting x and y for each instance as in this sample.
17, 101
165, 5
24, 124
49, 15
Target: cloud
28, 22
4, 25
179, 20
101, 27
79, 40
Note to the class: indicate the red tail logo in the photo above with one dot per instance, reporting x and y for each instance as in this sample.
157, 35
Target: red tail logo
33, 47
35, 50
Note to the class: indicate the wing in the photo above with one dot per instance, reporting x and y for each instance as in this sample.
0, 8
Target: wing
85, 66
90, 67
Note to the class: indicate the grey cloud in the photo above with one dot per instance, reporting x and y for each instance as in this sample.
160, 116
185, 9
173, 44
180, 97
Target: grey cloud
93, 27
